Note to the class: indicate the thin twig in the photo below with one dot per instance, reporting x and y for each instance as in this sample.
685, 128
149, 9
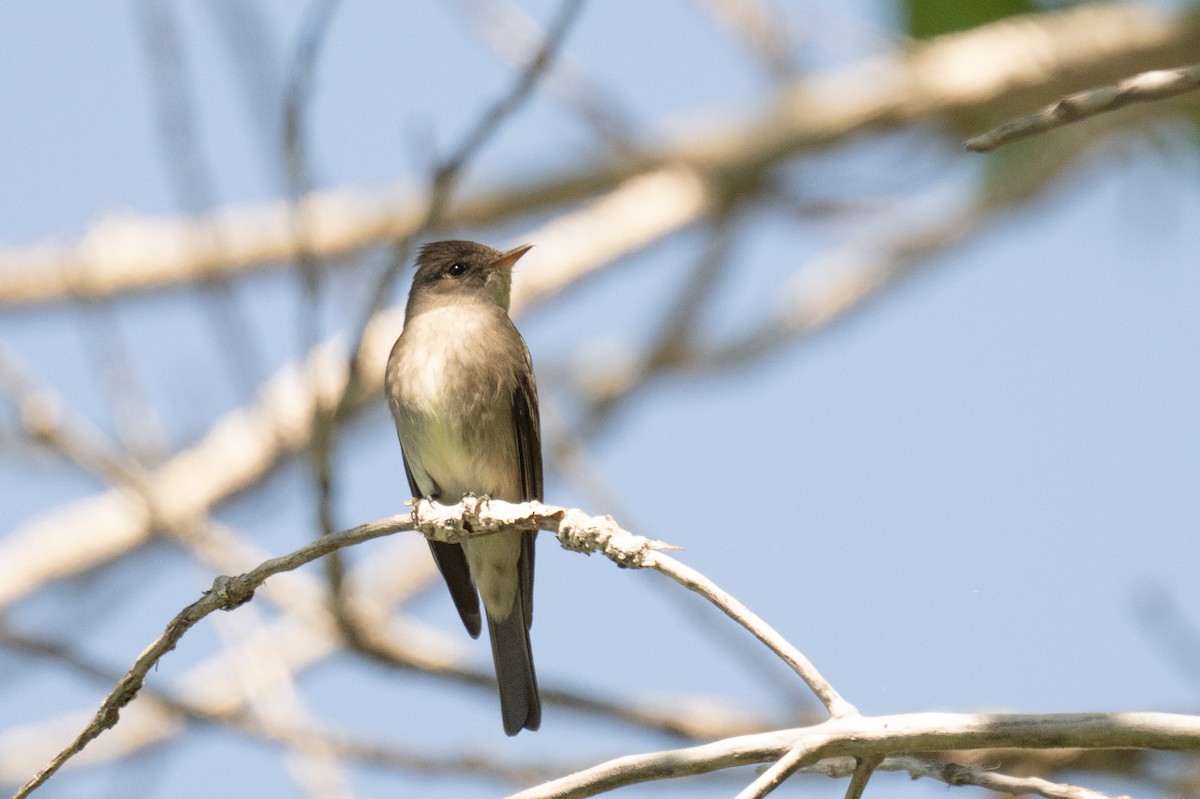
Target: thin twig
297, 169
762, 30
296, 161
863, 770
802, 754
1159, 84
510, 31
955, 774
446, 175
693, 580
192, 184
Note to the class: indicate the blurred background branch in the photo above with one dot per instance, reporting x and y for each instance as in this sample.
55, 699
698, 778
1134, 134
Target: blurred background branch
942, 79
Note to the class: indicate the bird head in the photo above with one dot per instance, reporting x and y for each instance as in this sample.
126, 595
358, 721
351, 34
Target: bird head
466, 271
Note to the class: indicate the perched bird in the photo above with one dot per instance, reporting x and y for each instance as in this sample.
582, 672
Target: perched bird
460, 387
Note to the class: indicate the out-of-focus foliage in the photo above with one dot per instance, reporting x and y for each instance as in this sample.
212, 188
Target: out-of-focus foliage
928, 18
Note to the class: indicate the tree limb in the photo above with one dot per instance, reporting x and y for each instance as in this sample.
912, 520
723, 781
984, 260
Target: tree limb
867, 736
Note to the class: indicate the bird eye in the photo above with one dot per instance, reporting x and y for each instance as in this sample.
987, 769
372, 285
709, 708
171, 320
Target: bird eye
456, 270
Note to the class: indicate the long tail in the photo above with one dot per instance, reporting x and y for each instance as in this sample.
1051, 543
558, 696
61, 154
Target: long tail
520, 706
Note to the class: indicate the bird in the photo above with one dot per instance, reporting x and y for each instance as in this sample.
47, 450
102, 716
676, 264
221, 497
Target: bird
460, 386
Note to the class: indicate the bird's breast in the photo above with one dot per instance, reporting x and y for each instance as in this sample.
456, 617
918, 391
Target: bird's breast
450, 384
450, 357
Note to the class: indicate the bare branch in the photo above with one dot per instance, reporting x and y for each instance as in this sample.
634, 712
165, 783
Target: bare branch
693, 580
454, 523
511, 32
296, 161
802, 754
445, 178
760, 30
863, 770
192, 184
846, 733
955, 774
309, 633
867, 736
1146, 87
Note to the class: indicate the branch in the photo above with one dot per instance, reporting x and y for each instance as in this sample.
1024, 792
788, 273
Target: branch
956, 774
1143, 88
868, 736
308, 633
510, 32
579, 532
846, 734
451, 523
863, 770
761, 30
802, 754
297, 99
1040, 55
694, 581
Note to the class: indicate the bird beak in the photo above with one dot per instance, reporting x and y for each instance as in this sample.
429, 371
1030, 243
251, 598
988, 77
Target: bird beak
509, 258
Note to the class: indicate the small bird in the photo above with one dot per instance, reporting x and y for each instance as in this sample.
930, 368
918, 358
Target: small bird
460, 386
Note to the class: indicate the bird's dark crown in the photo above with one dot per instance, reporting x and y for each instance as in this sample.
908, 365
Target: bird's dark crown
447, 252
461, 271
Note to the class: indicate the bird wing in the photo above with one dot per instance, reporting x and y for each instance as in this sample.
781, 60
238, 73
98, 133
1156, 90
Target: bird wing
452, 563
527, 430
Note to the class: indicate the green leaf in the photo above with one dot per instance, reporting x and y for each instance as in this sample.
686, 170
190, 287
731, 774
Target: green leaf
928, 18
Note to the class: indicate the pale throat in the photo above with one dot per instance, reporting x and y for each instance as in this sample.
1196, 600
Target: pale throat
449, 338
